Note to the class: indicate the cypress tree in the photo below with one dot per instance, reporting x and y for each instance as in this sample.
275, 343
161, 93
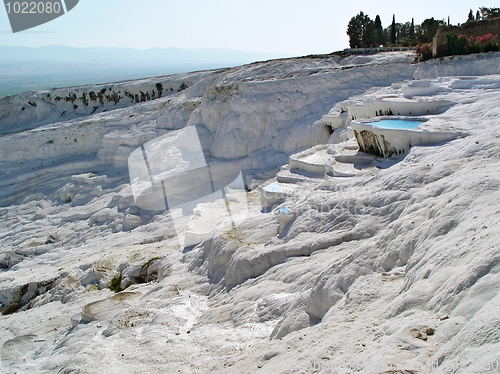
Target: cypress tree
393, 29
471, 16
379, 31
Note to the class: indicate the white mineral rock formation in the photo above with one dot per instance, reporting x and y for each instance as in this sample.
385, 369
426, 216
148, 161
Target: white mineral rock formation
364, 264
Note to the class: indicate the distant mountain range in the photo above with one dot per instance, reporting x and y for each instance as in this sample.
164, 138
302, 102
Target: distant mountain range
24, 68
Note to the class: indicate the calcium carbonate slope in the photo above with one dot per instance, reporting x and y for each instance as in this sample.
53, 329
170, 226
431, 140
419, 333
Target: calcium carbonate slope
387, 272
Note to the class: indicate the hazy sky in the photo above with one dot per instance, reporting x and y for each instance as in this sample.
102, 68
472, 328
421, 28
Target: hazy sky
290, 27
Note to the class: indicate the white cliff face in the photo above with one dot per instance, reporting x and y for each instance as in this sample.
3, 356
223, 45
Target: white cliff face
393, 269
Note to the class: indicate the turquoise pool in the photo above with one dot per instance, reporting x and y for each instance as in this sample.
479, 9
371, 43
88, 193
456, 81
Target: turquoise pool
397, 124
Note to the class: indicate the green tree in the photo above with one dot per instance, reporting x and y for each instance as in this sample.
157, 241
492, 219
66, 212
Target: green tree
379, 31
471, 16
406, 30
361, 31
385, 35
455, 45
428, 29
404, 33
393, 29
355, 32
368, 32
489, 12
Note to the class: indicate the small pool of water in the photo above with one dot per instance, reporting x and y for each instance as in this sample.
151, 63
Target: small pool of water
273, 187
396, 124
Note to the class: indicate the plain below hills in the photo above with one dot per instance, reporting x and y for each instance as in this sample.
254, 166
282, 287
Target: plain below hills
24, 69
